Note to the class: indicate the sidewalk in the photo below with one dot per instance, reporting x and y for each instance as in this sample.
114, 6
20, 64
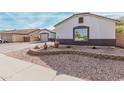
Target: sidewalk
12, 69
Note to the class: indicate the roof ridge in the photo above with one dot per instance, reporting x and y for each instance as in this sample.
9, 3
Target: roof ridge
89, 13
96, 15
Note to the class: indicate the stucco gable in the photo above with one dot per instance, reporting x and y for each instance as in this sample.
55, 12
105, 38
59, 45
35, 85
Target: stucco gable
85, 14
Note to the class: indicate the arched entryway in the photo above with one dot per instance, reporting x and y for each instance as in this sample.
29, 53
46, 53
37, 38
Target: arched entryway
81, 33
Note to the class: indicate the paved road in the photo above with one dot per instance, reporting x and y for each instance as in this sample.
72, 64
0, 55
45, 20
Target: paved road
10, 47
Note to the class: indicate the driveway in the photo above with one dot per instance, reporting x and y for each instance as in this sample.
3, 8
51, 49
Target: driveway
10, 47
12, 69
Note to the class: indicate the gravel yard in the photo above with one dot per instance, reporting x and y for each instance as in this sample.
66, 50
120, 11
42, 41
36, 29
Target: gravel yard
83, 67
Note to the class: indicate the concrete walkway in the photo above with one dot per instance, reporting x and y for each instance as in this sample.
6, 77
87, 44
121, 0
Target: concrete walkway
12, 69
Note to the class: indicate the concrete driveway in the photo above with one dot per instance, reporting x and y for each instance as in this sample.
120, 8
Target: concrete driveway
12, 69
10, 47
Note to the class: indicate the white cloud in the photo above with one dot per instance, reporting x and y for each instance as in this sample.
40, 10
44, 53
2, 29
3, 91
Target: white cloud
20, 20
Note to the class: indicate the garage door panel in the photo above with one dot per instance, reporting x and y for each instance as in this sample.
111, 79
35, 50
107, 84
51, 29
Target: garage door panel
44, 37
7, 37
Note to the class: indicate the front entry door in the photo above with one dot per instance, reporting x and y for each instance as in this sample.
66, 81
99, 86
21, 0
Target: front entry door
44, 37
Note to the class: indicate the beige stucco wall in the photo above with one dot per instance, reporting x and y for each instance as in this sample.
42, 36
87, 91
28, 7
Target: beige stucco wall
7, 37
120, 39
18, 38
34, 36
99, 28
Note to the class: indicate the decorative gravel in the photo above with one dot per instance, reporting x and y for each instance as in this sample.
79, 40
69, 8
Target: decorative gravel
87, 68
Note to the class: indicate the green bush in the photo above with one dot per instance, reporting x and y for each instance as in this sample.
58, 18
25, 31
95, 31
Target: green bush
119, 29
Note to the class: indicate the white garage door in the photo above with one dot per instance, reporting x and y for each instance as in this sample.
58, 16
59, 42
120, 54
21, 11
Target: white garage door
44, 37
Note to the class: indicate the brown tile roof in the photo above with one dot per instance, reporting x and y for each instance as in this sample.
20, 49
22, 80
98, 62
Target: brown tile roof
20, 31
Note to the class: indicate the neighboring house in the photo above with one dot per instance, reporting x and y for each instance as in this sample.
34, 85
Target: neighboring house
47, 35
25, 35
86, 29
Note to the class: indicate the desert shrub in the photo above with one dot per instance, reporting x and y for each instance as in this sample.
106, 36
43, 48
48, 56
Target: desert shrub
119, 29
36, 47
68, 46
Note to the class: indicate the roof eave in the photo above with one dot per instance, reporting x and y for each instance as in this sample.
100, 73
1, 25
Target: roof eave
85, 14
64, 20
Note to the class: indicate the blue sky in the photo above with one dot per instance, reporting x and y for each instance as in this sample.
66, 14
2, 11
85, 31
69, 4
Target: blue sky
27, 20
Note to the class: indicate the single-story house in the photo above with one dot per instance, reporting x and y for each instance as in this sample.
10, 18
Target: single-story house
86, 29
24, 35
47, 35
